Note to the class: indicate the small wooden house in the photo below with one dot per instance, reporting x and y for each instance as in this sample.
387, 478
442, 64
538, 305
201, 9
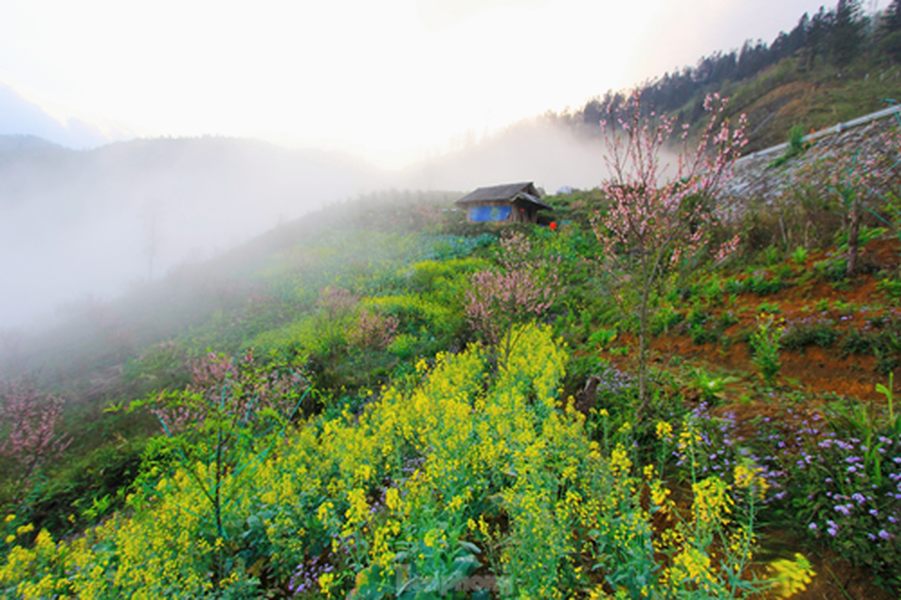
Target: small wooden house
508, 203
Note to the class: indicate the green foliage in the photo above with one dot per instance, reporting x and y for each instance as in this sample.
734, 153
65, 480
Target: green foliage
710, 290
769, 308
762, 284
890, 286
857, 342
701, 335
796, 146
799, 256
765, 344
161, 366
603, 337
798, 336
404, 346
727, 319
417, 313
880, 338
710, 387
843, 476
665, 319
697, 316
831, 270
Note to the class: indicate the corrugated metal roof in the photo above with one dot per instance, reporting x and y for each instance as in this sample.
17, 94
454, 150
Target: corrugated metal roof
524, 191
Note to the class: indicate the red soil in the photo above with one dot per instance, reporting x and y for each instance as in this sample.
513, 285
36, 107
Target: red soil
815, 371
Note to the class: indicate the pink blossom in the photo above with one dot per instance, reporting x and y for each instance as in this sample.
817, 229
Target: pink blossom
518, 291
32, 419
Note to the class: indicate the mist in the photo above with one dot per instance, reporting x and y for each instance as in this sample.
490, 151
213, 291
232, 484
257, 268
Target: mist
80, 226
544, 150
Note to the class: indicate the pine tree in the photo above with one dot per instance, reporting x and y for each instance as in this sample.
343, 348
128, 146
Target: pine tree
890, 31
847, 32
891, 20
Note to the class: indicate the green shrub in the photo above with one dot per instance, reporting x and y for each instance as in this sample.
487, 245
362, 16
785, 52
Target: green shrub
892, 287
771, 255
765, 345
603, 337
799, 256
857, 342
403, 346
665, 319
700, 335
697, 316
769, 308
798, 336
711, 291
761, 284
735, 286
727, 319
831, 270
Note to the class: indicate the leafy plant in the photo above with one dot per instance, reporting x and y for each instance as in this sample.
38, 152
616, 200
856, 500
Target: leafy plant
761, 284
890, 286
603, 337
765, 344
894, 422
832, 270
665, 319
796, 146
768, 308
701, 335
799, 335
771, 255
727, 319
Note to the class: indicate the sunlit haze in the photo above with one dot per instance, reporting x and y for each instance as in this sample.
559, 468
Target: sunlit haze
389, 80
233, 118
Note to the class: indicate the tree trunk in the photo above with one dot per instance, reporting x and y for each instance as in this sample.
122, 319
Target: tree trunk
643, 352
853, 237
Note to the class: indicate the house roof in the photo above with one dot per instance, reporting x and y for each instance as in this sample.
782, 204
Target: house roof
516, 193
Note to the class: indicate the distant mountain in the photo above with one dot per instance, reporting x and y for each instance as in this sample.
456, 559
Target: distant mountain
87, 223
23, 144
19, 117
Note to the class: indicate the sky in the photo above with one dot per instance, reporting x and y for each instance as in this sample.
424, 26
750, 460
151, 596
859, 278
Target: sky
391, 80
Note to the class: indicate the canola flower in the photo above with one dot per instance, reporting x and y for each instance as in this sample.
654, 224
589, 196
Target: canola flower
791, 576
418, 489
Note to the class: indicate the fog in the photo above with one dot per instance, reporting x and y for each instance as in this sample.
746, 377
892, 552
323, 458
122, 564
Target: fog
83, 226
76, 225
543, 150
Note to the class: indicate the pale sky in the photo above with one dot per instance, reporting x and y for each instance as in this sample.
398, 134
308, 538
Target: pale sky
389, 79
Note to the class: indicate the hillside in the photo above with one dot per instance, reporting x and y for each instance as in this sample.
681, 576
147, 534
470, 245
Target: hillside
835, 65
363, 307
690, 397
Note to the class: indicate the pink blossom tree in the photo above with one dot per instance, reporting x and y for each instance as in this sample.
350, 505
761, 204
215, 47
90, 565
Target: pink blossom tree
658, 215
372, 330
32, 438
518, 291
